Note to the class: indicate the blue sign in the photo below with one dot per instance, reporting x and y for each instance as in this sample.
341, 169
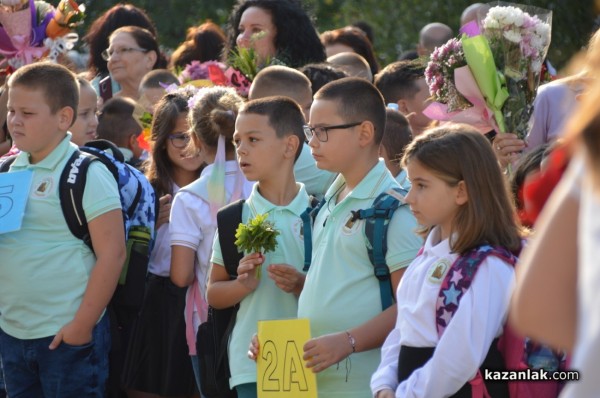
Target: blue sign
14, 191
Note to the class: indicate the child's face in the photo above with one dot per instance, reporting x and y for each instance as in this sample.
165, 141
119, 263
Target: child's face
176, 147
31, 123
84, 128
432, 200
338, 152
260, 152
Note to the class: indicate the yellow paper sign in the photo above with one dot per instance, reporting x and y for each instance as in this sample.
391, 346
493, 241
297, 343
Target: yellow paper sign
280, 368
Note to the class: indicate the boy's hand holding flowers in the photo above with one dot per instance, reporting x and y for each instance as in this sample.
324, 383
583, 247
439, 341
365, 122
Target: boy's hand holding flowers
247, 275
257, 236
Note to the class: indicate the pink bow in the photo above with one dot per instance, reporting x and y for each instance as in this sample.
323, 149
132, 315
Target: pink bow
24, 51
478, 116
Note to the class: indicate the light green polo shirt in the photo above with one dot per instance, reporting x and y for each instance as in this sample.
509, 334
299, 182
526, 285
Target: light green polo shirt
44, 269
267, 301
315, 180
341, 291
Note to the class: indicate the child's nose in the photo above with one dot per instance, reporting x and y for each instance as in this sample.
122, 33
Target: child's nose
409, 197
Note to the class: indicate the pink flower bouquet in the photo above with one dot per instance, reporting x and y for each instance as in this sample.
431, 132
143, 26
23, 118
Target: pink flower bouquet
24, 35
454, 90
519, 37
504, 57
212, 73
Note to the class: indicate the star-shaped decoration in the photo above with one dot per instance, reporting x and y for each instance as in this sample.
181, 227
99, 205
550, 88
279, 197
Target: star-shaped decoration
451, 295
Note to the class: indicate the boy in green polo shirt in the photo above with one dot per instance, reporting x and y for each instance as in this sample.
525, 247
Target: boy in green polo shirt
341, 296
268, 137
54, 339
288, 82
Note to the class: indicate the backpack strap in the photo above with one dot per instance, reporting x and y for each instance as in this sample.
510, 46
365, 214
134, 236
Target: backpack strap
6, 163
459, 278
105, 145
377, 219
308, 219
228, 219
71, 187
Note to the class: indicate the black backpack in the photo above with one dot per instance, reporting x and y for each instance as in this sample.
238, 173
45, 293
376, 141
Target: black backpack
213, 335
138, 203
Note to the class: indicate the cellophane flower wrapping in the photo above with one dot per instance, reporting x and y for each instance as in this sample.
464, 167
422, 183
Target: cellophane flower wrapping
519, 37
439, 75
37, 31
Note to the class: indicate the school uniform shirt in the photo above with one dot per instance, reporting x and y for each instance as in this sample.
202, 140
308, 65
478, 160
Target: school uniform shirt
341, 290
315, 180
160, 256
267, 301
467, 339
191, 225
44, 269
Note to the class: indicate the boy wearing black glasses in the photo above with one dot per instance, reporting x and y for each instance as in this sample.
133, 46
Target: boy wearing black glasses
341, 295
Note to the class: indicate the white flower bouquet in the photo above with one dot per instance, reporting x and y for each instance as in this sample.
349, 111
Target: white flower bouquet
519, 37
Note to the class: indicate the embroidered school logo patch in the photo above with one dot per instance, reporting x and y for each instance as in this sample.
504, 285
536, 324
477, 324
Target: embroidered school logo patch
44, 187
438, 270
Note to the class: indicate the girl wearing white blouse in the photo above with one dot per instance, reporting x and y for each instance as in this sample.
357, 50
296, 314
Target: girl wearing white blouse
460, 199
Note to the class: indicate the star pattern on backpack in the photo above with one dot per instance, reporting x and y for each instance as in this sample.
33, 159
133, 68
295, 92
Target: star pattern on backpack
457, 282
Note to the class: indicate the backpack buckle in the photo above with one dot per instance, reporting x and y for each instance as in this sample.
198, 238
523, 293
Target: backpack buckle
381, 272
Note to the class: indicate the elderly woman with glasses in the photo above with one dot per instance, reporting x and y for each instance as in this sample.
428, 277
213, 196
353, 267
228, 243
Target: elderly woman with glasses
132, 52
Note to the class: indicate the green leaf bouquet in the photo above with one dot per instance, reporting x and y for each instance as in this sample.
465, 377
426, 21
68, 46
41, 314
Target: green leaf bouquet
256, 236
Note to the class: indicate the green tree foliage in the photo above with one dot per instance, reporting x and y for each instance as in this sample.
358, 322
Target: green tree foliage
396, 22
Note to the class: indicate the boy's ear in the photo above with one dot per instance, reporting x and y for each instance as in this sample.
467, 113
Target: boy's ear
367, 133
132, 142
66, 117
291, 146
462, 196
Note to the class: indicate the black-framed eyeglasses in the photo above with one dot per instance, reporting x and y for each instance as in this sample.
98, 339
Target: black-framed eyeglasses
109, 52
179, 140
321, 131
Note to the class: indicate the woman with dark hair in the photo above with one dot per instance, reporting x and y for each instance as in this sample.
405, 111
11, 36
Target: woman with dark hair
132, 52
100, 30
278, 29
350, 39
202, 43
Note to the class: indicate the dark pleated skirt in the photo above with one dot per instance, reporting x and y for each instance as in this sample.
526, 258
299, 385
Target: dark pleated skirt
157, 359
412, 358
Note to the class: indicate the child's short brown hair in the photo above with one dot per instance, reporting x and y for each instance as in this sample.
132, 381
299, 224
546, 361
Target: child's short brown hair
58, 84
358, 100
397, 134
116, 121
279, 80
283, 113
